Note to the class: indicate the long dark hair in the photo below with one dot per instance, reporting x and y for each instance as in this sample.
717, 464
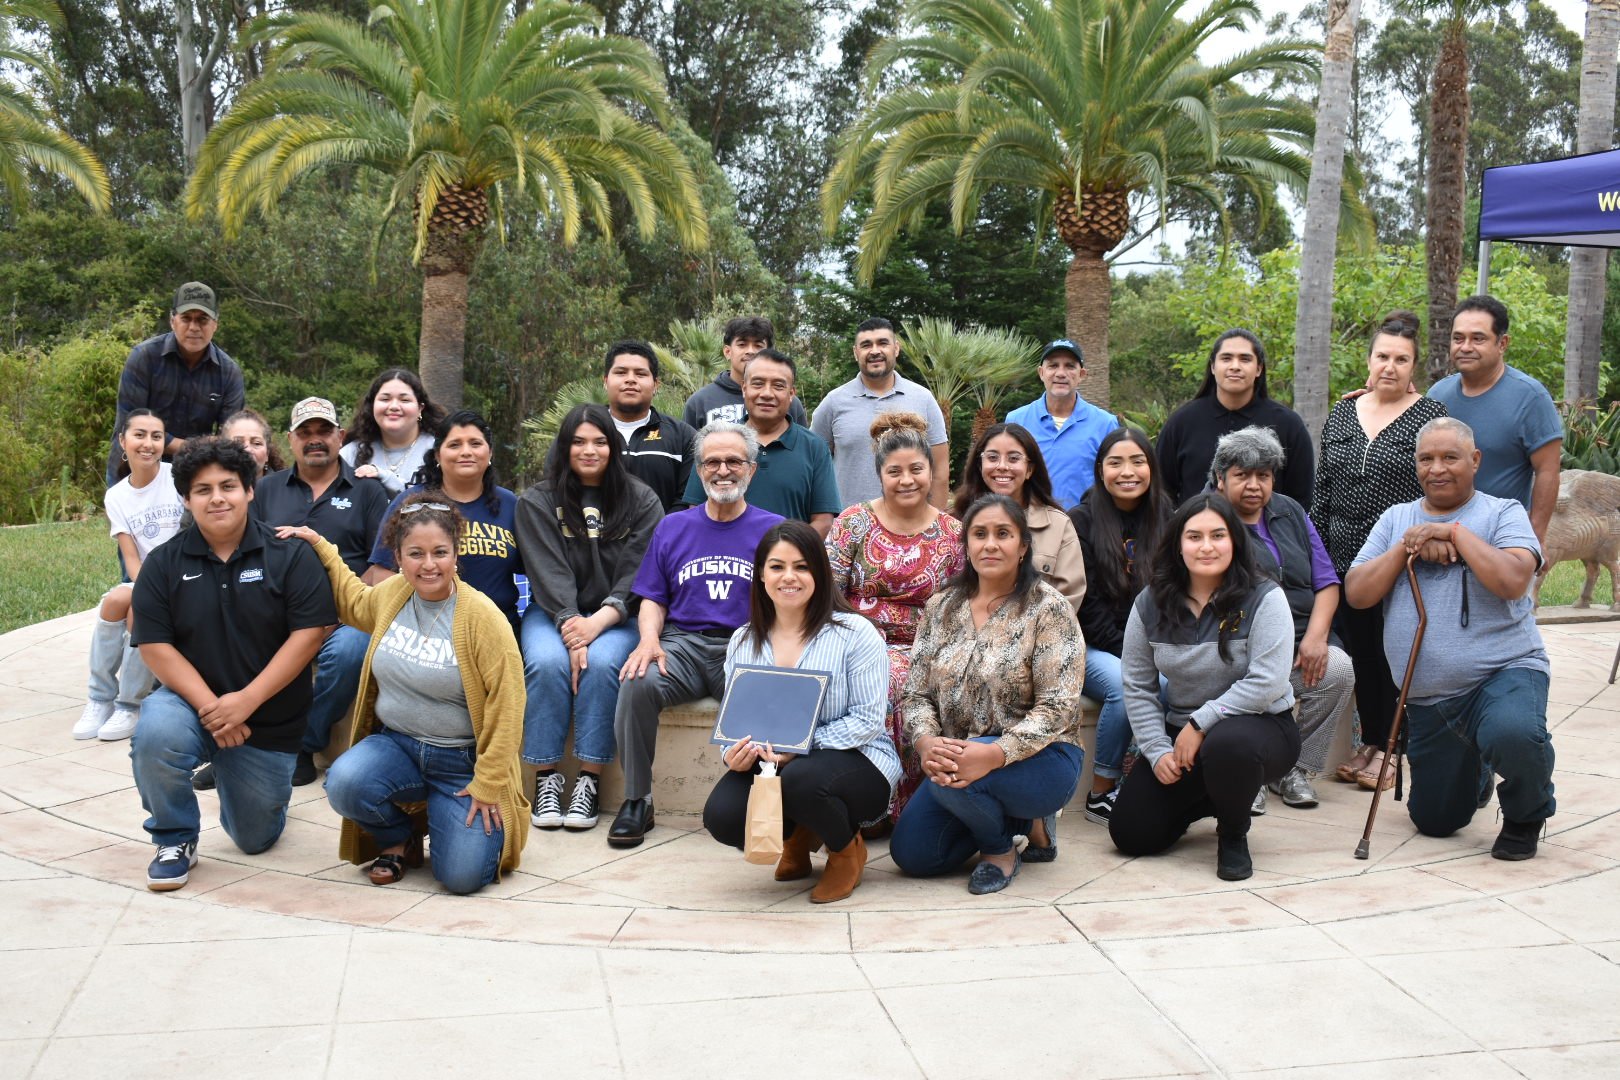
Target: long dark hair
1112, 574
363, 428
1171, 581
826, 600
617, 485
431, 474
1037, 489
123, 458
966, 584
1208, 387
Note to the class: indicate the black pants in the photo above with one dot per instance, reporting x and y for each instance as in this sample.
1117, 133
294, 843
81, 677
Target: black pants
1238, 755
830, 792
1362, 631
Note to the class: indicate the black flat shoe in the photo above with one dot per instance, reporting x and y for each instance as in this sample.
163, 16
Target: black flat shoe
1232, 862
304, 771
203, 779
631, 825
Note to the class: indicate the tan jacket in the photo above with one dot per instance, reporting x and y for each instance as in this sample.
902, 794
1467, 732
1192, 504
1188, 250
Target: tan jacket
491, 676
1057, 552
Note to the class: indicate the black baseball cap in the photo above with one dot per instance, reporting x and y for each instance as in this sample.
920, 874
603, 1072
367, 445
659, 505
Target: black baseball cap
1063, 345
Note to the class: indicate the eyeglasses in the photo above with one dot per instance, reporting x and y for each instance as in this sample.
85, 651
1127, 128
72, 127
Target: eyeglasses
414, 507
729, 464
996, 457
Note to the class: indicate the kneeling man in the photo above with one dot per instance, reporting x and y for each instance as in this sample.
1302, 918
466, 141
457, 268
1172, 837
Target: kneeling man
228, 618
1478, 700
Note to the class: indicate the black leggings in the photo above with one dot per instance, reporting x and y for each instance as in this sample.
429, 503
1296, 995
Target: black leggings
1362, 631
830, 792
1238, 755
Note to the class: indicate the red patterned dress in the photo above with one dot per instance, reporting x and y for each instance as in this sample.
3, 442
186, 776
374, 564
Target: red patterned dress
888, 577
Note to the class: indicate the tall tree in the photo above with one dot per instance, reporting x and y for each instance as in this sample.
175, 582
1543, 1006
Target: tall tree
1099, 108
201, 34
1448, 178
28, 137
1313, 318
455, 100
1588, 267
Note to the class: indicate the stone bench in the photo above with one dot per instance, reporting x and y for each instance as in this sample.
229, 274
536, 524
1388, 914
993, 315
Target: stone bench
688, 765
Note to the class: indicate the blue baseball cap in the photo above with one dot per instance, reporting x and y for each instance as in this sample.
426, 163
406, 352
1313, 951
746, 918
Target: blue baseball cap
1063, 345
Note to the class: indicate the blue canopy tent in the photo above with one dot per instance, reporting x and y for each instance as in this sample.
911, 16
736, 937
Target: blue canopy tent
1573, 201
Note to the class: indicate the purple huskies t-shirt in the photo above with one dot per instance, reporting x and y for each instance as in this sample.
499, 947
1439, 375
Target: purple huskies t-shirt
701, 569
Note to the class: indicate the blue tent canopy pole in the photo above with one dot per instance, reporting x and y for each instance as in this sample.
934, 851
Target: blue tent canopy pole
1572, 201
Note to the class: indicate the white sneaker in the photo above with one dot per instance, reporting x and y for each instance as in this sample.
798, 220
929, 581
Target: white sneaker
89, 723
121, 726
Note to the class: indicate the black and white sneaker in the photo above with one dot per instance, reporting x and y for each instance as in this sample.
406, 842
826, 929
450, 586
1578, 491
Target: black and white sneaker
1100, 806
548, 793
583, 807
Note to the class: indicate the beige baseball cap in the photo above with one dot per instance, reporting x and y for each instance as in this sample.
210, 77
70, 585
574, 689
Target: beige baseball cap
313, 408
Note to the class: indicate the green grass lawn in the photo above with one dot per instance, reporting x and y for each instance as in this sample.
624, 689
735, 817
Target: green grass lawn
51, 570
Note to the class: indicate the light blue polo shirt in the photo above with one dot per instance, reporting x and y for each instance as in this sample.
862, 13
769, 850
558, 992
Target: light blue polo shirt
1070, 451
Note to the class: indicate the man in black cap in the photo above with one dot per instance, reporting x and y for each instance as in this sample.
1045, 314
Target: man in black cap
1066, 426
182, 376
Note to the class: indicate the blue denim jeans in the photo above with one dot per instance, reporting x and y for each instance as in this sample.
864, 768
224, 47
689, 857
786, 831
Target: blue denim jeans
1104, 684
941, 828
1500, 726
170, 744
337, 680
366, 784
552, 699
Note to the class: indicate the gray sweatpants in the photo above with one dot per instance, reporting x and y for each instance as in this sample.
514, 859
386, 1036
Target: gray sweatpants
696, 668
1323, 707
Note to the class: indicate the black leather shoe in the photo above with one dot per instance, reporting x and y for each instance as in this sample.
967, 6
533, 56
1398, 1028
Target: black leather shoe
304, 771
203, 779
1517, 841
630, 826
1232, 862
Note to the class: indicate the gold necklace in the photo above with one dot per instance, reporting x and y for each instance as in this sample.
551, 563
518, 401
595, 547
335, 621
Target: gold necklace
433, 627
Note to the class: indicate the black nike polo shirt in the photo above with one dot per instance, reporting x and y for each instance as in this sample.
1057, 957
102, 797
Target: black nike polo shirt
228, 619
348, 513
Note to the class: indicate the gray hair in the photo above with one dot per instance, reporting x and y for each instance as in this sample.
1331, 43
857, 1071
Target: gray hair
727, 427
1448, 423
1249, 449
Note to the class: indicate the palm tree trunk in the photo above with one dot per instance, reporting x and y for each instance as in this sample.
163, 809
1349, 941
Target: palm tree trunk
1087, 297
1313, 314
1448, 148
442, 347
1589, 267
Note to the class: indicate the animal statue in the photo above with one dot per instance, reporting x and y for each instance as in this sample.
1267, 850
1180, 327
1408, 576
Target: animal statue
1586, 526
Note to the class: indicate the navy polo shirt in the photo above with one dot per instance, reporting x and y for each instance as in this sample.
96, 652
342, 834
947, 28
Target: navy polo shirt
795, 477
348, 513
229, 619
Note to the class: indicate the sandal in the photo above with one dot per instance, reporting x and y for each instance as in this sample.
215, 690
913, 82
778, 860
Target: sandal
1357, 762
388, 868
1368, 777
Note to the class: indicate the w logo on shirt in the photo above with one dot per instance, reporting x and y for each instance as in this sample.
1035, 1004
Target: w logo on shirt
719, 590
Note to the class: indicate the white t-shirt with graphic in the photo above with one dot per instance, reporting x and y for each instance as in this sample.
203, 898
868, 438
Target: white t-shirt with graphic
150, 514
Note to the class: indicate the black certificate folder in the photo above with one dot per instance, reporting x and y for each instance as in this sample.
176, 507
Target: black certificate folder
771, 705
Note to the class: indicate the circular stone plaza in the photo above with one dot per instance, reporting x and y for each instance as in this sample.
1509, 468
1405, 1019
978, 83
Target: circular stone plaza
677, 959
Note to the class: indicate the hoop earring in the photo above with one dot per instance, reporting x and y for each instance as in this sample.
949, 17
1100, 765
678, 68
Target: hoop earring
123, 456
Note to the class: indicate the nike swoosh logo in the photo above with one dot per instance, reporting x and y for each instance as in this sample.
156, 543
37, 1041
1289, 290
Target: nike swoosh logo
189, 577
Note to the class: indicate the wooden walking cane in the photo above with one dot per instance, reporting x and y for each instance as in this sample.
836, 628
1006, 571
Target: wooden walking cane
1400, 705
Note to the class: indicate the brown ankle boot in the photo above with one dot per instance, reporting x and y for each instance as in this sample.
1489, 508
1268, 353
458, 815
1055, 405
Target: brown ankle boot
843, 873
796, 850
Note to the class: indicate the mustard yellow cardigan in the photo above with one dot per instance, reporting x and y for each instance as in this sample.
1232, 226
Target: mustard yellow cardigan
491, 676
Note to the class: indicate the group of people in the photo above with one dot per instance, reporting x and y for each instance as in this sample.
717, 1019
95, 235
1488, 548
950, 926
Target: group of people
1192, 589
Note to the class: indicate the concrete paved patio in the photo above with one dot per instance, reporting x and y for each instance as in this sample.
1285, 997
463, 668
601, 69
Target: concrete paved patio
677, 959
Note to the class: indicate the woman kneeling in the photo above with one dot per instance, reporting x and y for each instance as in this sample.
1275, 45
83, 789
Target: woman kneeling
993, 707
797, 619
1222, 636
440, 711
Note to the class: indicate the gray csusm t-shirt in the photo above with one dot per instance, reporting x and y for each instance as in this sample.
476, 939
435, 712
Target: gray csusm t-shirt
419, 690
1500, 633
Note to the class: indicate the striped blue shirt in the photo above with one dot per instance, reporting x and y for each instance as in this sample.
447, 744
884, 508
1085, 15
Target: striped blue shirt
857, 696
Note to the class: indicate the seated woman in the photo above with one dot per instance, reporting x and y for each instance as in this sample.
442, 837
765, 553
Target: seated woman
1119, 521
459, 467
439, 714
890, 555
582, 532
993, 708
392, 429
797, 619
1007, 461
144, 510
1220, 632
251, 431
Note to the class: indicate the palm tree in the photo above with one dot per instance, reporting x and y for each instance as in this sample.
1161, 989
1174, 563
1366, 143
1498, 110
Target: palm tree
977, 364
1099, 108
27, 135
1588, 267
1313, 313
456, 100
